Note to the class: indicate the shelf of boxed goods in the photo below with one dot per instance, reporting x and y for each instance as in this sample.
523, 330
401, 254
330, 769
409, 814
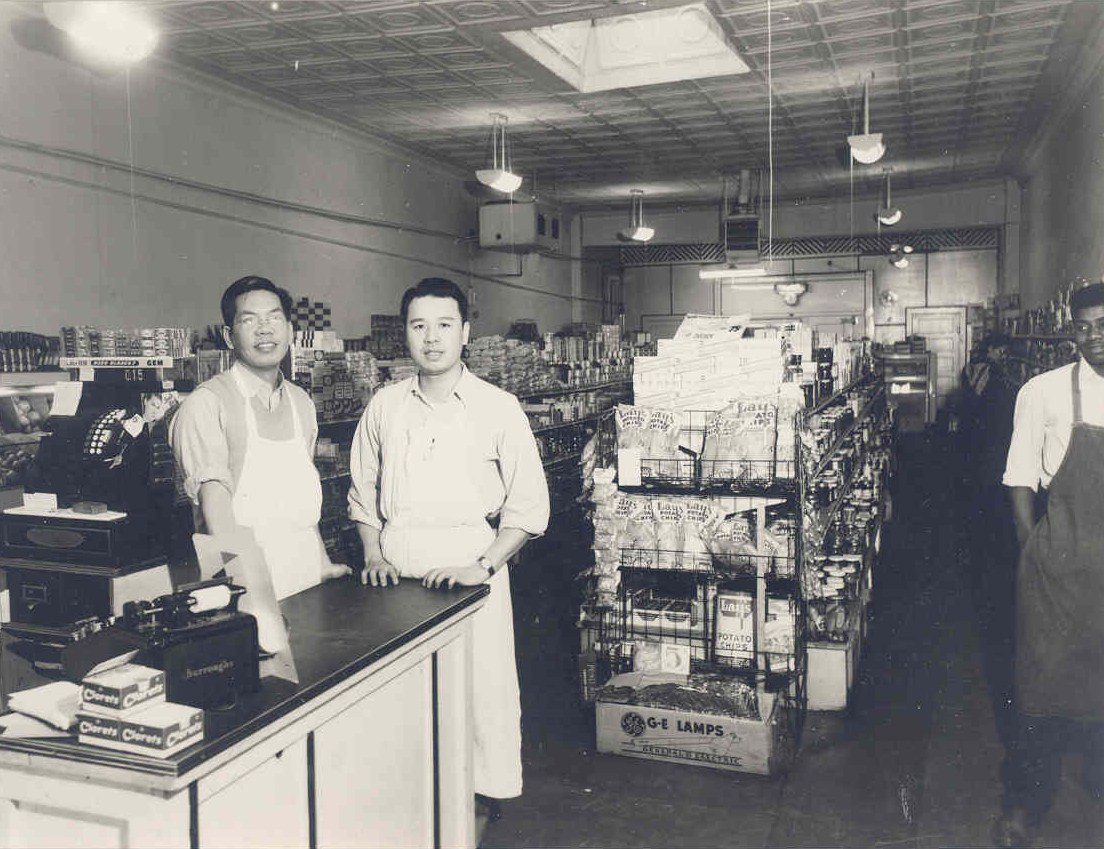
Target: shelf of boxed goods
836, 625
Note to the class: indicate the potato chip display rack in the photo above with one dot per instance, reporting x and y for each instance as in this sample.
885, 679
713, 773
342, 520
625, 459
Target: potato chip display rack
671, 595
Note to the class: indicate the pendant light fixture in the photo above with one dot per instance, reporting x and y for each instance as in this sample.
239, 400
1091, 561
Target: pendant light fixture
498, 175
899, 255
889, 215
115, 33
866, 147
637, 231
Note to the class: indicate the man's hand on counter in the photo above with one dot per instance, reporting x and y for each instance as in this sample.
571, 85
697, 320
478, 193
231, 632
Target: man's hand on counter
380, 575
462, 576
332, 570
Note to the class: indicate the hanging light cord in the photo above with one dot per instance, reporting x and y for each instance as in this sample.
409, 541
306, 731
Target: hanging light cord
770, 142
133, 202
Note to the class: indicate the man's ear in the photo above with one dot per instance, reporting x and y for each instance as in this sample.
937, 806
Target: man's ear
466, 332
227, 337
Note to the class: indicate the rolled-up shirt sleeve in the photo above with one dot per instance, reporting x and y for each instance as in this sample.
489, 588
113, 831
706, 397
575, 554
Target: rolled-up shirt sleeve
1024, 466
198, 440
526, 504
364, 469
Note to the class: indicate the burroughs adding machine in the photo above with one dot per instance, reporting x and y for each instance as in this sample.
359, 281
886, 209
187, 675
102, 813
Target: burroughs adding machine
97, 522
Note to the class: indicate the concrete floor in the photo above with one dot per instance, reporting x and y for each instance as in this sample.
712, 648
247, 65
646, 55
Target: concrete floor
914, 761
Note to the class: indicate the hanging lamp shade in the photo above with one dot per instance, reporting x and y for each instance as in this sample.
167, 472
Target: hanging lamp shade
114, 32
637, 231
498, 175
866, 147
889, 215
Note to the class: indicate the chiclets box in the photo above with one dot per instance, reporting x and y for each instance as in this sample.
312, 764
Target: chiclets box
123, 689
159, 730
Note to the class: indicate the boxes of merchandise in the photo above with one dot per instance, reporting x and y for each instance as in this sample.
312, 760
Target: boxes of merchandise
705, 720
159, 730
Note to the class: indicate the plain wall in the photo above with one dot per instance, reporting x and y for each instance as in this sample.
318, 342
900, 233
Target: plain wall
225, 184
1063, 199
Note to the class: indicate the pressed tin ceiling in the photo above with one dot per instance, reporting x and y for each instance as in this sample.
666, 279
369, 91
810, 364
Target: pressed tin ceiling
959, 86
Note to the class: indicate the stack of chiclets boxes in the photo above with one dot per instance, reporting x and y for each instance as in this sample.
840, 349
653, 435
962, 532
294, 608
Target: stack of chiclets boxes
124, 708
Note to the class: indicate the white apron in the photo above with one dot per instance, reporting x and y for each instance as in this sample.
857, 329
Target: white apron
279, 496
437, 524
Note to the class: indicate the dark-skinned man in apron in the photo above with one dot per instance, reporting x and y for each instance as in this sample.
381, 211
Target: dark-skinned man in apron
244, 440
433, 459
1058, 444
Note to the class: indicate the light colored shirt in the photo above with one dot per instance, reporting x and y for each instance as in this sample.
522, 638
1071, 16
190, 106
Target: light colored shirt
208, 432
494, 434
1043, 422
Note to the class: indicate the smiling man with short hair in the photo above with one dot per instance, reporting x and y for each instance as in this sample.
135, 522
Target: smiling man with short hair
439, 461
244, 441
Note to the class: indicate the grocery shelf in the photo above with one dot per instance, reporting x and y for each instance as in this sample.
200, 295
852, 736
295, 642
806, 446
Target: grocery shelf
572, 390
555, 461
824, 403
587, 419
860, 417
20, 438
31, 378
334, 422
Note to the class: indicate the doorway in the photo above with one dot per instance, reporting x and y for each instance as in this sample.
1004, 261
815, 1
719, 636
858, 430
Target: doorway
944, 328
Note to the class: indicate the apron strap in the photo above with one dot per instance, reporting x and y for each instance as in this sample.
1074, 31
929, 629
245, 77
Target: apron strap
1076, 378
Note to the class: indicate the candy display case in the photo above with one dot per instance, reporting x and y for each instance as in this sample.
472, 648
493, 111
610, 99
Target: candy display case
25, 399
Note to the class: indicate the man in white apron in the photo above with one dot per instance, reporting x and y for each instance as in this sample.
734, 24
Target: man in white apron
434, 457
245, 442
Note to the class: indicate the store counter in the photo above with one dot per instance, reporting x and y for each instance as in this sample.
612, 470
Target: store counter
371, 748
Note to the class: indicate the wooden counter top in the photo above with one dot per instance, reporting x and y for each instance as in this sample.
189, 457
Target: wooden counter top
337, 629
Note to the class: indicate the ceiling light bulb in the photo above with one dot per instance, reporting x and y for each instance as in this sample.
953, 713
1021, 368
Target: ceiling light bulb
901, 262
907, 249
111, 31
867, 148
889, 216
639, 233
500, 179
731, 271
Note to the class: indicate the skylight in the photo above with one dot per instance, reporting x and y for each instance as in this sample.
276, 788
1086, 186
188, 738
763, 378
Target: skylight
626, 51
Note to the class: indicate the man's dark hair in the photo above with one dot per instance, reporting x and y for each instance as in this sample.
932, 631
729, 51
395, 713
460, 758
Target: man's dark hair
251, 283
1088, 296
994, 340
434, 287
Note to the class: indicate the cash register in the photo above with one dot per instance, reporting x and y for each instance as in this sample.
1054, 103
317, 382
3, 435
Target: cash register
98, 512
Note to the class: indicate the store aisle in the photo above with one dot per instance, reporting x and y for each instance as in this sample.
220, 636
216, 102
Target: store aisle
914, 763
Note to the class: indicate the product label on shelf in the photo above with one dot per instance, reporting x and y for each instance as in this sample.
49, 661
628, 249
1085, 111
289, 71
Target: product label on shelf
117, 362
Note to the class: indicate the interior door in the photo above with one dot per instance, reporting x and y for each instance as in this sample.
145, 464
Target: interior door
944, 328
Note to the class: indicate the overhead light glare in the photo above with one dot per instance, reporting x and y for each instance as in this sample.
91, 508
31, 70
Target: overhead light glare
637, 231
735, 272
499, 176
115, 32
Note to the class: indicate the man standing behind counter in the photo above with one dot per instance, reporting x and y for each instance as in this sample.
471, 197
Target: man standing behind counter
434, 457
245, 442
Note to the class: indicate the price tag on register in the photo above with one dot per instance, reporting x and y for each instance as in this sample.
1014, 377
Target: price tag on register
628, 466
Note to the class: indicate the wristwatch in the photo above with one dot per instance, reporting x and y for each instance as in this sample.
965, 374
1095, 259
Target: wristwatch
486, 563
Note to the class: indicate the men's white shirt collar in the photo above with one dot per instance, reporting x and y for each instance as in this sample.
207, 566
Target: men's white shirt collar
1088, 373
460, 390
256, 386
